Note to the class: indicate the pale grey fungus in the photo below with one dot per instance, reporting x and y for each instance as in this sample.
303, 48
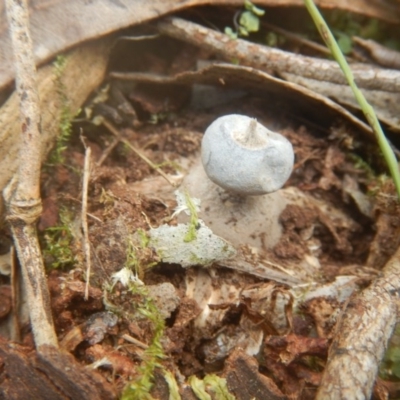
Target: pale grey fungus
244, 157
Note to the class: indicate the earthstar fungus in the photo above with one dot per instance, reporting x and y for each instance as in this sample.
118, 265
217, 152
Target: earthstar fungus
236, 179
244, 157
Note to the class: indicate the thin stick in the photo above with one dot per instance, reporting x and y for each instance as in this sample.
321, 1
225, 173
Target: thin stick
115, 132
138, 343
15, 296
274, 60
107, 151
23, 193
85, 230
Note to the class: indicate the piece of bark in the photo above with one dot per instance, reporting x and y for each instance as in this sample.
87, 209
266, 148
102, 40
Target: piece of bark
51, 376
244, 380
362, 336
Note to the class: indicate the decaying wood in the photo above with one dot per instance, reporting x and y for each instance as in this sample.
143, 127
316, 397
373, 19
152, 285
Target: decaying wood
84, 71
362, 336
23, 194
246, 382
74, 21
276, 61
26, 374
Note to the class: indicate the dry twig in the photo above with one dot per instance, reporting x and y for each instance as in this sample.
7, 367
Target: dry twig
85, 230
278, 61
15, 296
138, 343
22, 194
107, 151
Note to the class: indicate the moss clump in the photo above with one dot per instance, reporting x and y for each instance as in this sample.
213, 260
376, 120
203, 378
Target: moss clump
58, 243
140, 388
66, 115
194, 219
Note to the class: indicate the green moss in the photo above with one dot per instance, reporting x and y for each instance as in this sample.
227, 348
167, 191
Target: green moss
199, 388
58, 243
174, 165
66, 115
172, 385
362, 165
140, 388
196, 260
390, 367
211, 384
218, 387
133, 261
143, 237
194, 219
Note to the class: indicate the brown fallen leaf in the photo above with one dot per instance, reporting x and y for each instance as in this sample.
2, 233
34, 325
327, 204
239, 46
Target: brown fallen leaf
308, 104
